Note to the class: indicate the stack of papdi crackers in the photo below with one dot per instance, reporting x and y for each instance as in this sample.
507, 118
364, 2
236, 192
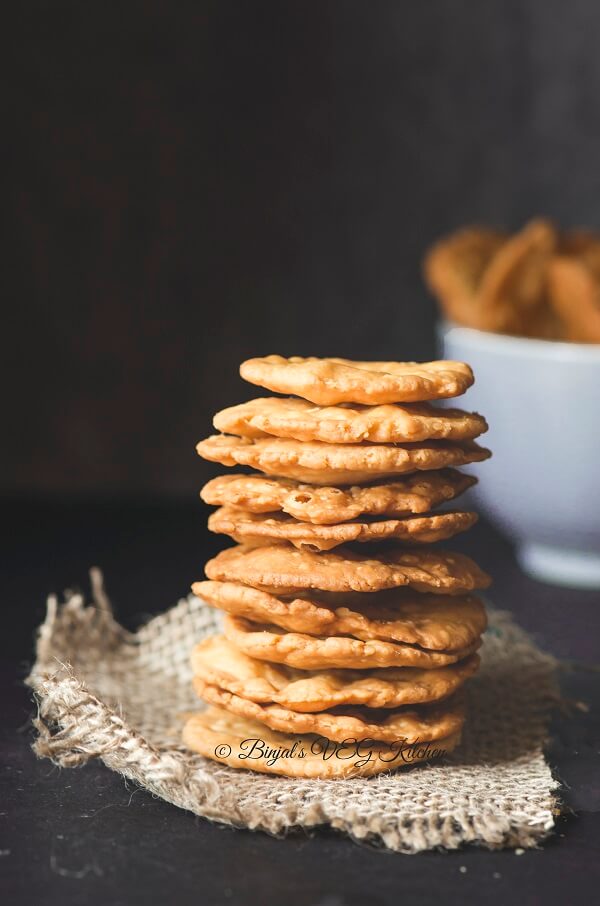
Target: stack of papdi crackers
348, 633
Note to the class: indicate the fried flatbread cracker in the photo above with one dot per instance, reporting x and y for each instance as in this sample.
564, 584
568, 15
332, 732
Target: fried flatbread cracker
224, 737
454, 267
345, 424
416, 493
574, 287
491, 282
286, 570
445, 622
411, 725
257, 528
296, 649
330, 381
319, 463
512, 294
219, 663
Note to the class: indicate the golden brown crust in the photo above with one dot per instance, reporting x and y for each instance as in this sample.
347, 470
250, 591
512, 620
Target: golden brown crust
335, 464
415, 493
397, 615
286, 570
256, 528
223, 737
412, 725
454, 267
269, 643
219, 663
330, 381
347, 424
574, 292
490, 282
512, 293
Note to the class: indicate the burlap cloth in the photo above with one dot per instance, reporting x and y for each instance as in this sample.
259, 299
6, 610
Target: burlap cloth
103, 692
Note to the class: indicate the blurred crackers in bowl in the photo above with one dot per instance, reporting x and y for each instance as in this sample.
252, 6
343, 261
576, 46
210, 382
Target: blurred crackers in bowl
538, 282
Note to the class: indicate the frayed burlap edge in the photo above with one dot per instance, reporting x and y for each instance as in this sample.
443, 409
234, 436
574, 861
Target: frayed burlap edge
103, 692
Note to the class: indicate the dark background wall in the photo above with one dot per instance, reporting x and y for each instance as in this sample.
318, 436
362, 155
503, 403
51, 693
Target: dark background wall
196, 182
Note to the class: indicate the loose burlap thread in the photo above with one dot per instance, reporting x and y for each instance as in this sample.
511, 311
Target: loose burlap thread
103, 692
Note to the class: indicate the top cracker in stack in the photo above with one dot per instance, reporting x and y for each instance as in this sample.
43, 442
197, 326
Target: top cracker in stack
329, 641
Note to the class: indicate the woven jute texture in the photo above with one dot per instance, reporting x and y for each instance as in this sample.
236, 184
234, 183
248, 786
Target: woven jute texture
103, 692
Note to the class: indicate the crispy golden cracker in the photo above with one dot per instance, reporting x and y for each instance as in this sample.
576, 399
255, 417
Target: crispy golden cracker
346, 424
574, 292
224, 737
454, 267
410, 725
415, 493
512, 293
219, 663
490, 282
296, 649
445, 622
286, 570
257, 528
322, 464
330, 381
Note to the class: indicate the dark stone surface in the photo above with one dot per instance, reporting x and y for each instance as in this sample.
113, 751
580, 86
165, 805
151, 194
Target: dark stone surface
86, 837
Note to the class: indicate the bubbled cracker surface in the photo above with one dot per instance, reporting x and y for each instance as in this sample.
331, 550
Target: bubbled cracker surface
331, 381
399, 614
347, 424
337, 464
283, 567
410, 724
219, 663
308, 652
414, 493
258, 528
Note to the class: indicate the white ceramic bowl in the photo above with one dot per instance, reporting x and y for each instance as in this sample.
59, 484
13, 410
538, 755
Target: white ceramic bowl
542, 485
